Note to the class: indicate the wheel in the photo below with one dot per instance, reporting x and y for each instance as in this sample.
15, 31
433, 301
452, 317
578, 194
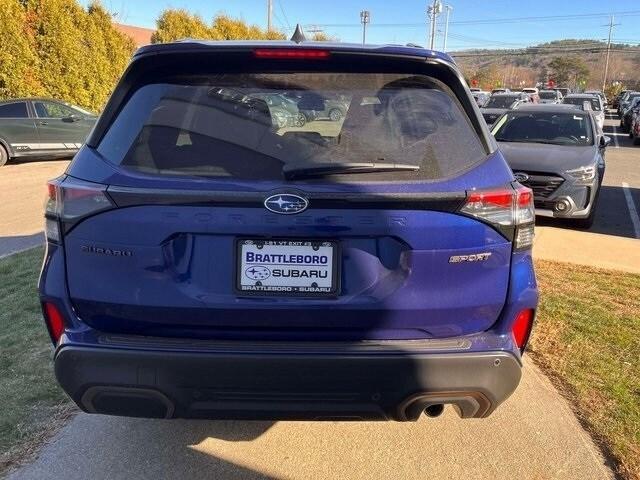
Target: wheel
4, 156
300, 120
335, 114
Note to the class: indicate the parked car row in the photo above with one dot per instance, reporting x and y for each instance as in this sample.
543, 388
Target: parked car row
500, 103
291, 109
556, 147
628, 102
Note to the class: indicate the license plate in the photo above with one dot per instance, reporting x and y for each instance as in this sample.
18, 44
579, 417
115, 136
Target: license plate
287, 267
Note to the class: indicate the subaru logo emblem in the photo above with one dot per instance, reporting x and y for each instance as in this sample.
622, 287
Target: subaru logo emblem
521, 177
258, 272
286, 203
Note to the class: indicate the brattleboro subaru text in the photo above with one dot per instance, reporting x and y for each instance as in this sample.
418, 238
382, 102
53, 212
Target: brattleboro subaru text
221, 248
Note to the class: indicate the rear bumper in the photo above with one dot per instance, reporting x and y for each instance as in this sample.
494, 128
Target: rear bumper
275, 383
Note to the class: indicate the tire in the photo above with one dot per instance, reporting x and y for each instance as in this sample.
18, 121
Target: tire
4, 156
335, 114
585, 223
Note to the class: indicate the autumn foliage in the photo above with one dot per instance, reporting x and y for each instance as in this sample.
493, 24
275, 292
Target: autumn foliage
57, 48
176, 24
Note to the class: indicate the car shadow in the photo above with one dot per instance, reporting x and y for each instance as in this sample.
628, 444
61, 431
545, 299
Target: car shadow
612, 214
145, 449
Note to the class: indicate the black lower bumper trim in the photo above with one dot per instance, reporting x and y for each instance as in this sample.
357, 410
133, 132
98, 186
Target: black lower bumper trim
226, 385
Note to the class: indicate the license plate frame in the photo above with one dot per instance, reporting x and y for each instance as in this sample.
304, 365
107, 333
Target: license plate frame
332, 292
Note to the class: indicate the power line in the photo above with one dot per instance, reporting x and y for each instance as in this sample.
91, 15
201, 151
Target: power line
284, 14
531, 43
584, 16
495, 21
280, 22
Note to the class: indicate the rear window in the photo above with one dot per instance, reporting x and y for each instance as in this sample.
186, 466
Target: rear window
595, 102
14, 110
548, 95
501, 102
260, 126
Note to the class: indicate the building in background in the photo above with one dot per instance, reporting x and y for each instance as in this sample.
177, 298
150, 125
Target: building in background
140, 35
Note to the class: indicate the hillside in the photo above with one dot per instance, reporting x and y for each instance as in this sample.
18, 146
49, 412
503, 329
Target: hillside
527, 66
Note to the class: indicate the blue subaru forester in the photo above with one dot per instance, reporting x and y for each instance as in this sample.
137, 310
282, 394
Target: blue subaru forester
218, 250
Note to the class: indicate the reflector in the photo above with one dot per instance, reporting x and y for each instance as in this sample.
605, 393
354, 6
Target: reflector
54, 321
522, 327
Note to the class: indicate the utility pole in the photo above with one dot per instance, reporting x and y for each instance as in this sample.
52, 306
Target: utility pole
269, 13
365, 17
448, 8
606, 63
434, 10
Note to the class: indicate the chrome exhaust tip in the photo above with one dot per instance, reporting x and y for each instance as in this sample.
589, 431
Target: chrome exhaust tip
434, 410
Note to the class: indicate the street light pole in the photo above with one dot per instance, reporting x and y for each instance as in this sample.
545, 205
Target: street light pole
433, 11
446, 27
365, 17
269, 13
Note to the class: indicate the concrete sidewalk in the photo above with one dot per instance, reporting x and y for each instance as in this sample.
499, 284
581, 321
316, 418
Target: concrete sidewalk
534, 435
20, 243
586, 248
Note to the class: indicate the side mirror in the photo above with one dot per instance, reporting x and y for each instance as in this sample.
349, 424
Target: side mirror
71, 118
605, 141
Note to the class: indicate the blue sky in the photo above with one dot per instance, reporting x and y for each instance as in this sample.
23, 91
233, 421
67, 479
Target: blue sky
404, 21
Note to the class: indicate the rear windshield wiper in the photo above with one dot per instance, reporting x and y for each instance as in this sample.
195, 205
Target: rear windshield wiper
320, 169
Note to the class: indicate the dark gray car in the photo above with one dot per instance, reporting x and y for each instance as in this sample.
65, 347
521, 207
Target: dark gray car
501, 102
558, 152
42, 128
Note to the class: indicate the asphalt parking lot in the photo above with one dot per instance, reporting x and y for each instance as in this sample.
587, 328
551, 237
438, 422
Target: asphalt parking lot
533, 435
612, 241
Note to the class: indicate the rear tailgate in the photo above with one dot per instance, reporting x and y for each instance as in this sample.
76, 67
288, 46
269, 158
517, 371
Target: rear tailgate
170, 268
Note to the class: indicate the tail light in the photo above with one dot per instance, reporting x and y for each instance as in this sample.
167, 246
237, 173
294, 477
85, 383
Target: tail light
505, 208
54, 320
68, 201
521, 328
